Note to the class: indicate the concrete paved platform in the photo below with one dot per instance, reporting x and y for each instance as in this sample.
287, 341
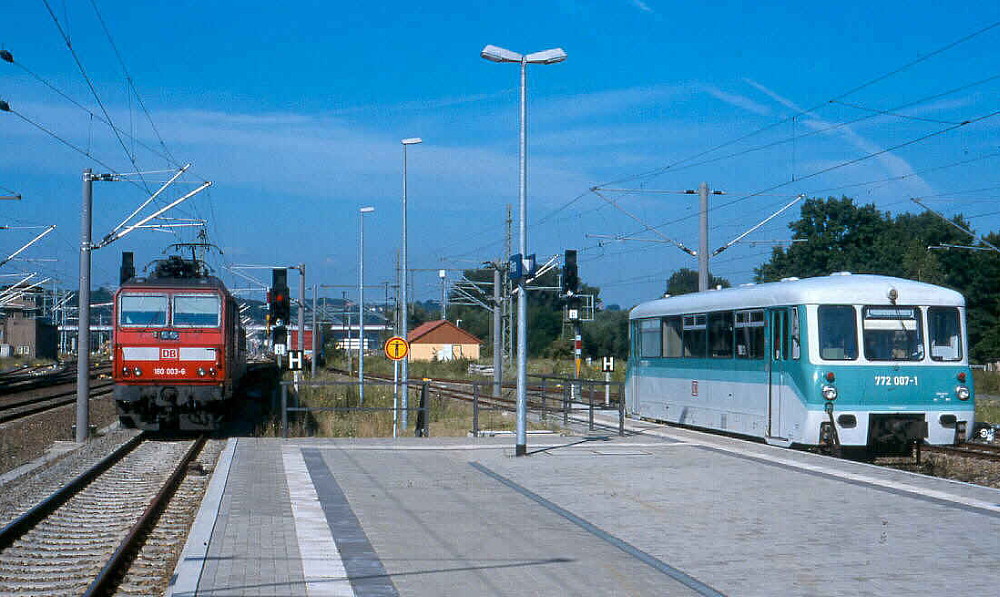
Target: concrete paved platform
666, 512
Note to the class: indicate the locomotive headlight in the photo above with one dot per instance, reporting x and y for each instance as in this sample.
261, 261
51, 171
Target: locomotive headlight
137, 371
212, 371
829, 392
962, 392
201, 372
126, 371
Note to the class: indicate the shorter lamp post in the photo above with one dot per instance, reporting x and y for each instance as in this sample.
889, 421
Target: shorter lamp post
361, 303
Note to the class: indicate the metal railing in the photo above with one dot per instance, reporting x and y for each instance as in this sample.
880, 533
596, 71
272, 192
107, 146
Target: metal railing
555, 396
548, 396
421, 429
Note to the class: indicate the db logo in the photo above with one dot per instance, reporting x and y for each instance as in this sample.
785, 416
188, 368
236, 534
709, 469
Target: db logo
169, 354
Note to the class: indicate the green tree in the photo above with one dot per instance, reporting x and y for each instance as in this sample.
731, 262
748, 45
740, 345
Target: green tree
837, 235
685, 280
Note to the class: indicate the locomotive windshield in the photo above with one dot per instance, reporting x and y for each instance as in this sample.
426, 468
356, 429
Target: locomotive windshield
200, 310
838, 335
944, 330
893, 334
142, 310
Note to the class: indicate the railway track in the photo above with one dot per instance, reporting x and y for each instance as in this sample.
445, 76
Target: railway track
25, 407
977, 451
50, 392
83, 538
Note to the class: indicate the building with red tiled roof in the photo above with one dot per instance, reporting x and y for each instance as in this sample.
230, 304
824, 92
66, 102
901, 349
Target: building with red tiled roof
442, 341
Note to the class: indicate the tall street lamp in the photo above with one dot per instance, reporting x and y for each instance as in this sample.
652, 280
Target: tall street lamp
553, 56
403, 294
361, 303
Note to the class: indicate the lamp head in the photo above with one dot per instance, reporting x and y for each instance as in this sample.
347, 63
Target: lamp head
367, 210
546, 56
497, 54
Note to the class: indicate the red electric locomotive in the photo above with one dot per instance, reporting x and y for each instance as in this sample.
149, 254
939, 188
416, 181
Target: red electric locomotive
179, 347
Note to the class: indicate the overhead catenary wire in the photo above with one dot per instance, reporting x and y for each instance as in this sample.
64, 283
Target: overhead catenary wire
131, 83
90, 85
69, 144
815, 107
850, 162
8, 57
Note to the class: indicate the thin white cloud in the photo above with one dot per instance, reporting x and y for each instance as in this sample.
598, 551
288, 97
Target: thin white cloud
642, 6
614, 101
740, 101
895, 165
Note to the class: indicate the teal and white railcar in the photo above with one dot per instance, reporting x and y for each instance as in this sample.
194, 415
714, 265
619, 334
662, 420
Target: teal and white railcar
856, 360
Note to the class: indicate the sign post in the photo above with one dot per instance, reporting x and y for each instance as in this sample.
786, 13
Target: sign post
607, 365
396, 349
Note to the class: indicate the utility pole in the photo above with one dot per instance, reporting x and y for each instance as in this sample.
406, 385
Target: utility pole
497, 331
703, 255
315, 336
508, 291
703, 244
444, 293
83, 333
350, 334
302, 308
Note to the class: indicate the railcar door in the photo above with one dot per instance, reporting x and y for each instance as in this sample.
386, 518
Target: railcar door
778, 323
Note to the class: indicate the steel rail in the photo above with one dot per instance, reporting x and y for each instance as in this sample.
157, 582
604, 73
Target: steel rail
977, 451
109, 576
27, 521
48, 403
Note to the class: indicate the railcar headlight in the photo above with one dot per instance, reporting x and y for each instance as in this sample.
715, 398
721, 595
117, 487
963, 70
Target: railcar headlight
829, 392
126, 371
212, 371
201, 372
137, 371
962, 392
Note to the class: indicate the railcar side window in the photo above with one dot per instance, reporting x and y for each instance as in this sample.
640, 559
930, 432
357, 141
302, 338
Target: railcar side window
838, 333
695, 341
649, 338
796, 337
750, 334
200, 310
720, 335
672, 337
944, 330
893, 334
142, 310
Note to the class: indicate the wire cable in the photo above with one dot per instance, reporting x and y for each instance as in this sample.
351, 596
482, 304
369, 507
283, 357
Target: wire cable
841, 96
100, 118
93, 90
131, 84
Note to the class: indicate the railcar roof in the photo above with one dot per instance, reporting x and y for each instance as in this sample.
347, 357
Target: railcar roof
207, 282
833, 289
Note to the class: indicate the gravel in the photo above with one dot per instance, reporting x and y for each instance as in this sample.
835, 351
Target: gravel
27, 439
32, 438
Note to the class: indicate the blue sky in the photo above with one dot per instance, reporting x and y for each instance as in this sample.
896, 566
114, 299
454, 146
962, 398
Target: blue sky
295, 112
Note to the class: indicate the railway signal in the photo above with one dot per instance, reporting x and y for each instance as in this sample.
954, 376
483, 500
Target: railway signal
571, 276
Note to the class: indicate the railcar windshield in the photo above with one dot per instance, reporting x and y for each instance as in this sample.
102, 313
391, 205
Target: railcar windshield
893, 334
838, 333
197, 310
142, 310
944, 329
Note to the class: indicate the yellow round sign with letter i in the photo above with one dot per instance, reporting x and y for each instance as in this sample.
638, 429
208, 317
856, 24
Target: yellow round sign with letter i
397, 348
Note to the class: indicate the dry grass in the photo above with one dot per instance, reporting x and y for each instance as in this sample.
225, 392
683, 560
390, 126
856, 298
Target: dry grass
448, 417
